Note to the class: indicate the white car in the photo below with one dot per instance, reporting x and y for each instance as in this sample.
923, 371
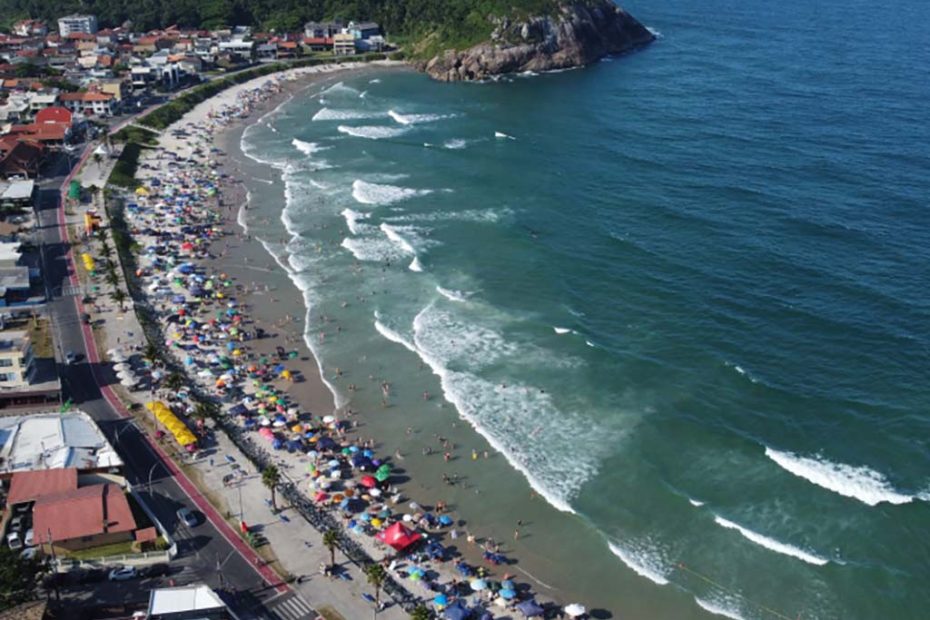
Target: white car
123, 573
14, 542
29, 538
187, 517
29, 553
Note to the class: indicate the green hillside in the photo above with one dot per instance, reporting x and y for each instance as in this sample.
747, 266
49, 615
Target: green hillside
426, 25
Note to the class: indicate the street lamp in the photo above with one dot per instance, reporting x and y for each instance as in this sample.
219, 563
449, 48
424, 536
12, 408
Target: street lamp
151, 473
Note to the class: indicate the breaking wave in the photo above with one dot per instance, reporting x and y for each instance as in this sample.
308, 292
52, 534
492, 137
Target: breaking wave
368, 193
372, 132
772, 544
642, 562
858, 482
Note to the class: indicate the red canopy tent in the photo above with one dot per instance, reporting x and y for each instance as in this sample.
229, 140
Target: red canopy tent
397, 536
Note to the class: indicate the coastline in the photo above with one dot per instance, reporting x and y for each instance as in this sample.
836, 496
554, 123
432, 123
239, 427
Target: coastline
267, 292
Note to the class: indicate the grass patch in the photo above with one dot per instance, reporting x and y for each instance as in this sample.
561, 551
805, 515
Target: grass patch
121, 548
41, 338
132, 133
124, 172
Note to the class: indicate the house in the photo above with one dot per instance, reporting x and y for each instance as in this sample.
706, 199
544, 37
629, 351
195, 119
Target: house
322, 30
28, 486
288, 49
19, 157
196, 601
318, 44
363, 30
119, 88
374, 43
343, 44
30, 28
266, 51
84, 517
86, 24
91, 103
238, 48
16, 359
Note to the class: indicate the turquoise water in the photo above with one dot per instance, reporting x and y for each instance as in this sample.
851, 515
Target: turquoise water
681, 295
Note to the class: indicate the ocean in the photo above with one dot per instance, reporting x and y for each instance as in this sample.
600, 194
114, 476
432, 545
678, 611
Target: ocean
672, 309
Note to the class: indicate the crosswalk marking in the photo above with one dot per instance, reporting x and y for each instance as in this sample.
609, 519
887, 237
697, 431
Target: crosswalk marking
291, 608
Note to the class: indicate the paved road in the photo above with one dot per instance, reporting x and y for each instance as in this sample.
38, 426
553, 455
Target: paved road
213, 556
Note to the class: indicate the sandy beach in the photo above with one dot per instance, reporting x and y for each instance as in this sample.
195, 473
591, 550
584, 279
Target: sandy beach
229, 320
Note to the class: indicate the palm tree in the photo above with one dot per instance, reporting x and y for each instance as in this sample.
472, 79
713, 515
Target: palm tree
330, 540
376, 576
105, 250
174, 382
119, 297
151, 353
420, 612
270, 478
112, 278
204, 410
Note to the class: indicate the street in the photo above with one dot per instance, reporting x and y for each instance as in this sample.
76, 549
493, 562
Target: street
206, 553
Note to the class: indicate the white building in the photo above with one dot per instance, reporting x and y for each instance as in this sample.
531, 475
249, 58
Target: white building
54, 441
185, 603
77, 23
16, 359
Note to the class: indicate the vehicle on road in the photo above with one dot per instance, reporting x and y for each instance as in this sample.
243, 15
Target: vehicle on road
14, 541
156, 570
71, 357
123, 573
187, 517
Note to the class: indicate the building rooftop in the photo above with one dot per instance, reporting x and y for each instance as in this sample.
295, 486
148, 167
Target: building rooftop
85, 511
17, 190
187, 598
53, 441
28, 486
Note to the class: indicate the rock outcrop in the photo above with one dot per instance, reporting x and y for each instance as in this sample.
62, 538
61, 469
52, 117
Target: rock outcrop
576, 34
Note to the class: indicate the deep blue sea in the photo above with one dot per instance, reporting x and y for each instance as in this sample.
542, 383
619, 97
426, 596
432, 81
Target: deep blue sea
683, 297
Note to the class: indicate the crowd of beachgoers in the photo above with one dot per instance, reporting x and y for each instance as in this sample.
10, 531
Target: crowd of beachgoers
177, 216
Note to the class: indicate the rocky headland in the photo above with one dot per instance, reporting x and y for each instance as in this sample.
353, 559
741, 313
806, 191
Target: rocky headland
575, 34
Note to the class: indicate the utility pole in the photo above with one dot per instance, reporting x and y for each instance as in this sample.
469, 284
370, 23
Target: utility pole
51, 549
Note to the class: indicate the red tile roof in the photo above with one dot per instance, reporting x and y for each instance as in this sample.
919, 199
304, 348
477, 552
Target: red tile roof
54, 114
27, 486
318, 41
89, 96
96, 509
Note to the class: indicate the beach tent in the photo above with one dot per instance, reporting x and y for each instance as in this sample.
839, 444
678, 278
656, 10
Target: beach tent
398, 537
574, 610
456, 611
530, 609
175, 426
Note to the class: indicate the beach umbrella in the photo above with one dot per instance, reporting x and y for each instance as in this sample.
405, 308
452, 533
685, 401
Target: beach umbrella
415, 574
445, 520
407, 518
368, 481
441, 600
478, 585
381, 475
328, 419
508, 584
122, 367
574, 610
530, 609
507, 594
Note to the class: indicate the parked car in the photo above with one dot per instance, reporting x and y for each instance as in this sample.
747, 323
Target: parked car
14, 541
156, 570
29, 538
29, 553
187, 517
16, 523
123, 573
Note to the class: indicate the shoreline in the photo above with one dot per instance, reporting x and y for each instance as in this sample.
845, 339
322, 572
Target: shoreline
313, 388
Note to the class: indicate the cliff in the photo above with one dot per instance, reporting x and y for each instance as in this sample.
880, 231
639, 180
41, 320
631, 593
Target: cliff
575, 34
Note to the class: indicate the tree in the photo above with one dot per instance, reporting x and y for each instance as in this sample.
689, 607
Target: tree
420, 612
119, 296
270, 478
151, 353
376, 576
112, 278
174, 382
18, 577
105, 250
330, 541
203, 410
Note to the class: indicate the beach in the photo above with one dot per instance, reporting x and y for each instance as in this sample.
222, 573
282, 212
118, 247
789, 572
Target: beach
230, 320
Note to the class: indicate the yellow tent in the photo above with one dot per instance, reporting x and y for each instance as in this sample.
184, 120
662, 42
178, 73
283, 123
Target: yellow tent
141, 191
88, 261
181, 433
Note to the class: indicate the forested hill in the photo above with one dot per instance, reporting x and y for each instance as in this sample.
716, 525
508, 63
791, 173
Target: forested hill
456, 23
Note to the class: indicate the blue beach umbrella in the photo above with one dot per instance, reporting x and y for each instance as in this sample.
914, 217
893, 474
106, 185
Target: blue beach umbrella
445, 520
507, 594
441, 600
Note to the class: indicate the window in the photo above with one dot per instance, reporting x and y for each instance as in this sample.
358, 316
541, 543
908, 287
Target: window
5, 362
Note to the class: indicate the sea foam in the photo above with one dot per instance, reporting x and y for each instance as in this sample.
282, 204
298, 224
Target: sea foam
457, 296
372, 132
772, 544
719, 607
415, 264
330, 114
413, 119
307, 148
858, 482
352, 219
641, 562
368, 193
